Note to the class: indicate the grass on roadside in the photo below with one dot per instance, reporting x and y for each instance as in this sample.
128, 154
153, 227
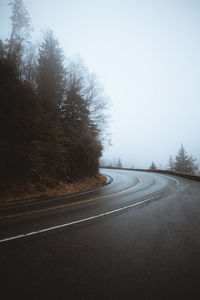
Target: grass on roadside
63, 188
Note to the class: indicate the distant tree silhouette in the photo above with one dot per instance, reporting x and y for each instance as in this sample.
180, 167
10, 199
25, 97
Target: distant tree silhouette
20, 34
51, 74
153, 166
30, 64
119, 163
171, 163
184, 163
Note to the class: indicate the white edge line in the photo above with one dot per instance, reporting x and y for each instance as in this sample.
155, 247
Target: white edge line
74, 222
177, 182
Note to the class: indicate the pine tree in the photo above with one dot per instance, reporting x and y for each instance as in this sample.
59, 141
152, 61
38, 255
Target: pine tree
184, 163
20, 34
2, 51
51, 77
119, 163
171, 163
19, 116
50, 119
153, 166
30, 66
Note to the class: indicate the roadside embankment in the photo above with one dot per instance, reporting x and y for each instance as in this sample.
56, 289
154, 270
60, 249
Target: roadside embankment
62, 189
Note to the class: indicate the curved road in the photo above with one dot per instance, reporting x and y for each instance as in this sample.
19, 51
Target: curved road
135, 238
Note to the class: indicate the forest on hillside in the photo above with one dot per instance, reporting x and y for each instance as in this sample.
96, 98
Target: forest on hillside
52, 110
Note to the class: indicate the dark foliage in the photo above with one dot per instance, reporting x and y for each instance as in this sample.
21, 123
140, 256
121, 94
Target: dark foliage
47, 133
38, 141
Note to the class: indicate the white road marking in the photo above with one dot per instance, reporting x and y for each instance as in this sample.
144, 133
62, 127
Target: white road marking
72, 204
74, 222
31, 202
177, 182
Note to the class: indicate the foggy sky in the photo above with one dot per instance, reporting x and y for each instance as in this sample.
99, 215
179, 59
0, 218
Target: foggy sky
146, 54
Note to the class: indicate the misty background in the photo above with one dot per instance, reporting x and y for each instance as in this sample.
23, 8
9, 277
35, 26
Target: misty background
146, 55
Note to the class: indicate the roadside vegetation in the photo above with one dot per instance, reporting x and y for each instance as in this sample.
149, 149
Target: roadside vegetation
182, 163
52, 112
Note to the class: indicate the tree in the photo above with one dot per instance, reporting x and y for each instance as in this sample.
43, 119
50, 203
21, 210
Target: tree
83, 141
20, 34
2, 51
153, 166
50, 119
51, 77
171, 163
119, 163
97, 105
95, 101
184, 163
30, 66
19, 116
20, 21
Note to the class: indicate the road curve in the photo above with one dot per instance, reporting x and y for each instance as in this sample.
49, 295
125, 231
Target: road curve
136, 238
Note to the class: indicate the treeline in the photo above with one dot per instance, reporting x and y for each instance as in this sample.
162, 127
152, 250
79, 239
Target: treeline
51, 112
182, 163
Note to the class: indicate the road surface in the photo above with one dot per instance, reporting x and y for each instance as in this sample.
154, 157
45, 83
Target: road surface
136, 238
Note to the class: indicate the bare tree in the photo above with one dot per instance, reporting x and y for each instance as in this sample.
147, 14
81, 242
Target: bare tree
87, 86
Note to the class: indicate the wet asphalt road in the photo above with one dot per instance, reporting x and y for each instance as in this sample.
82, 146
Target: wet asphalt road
136, 238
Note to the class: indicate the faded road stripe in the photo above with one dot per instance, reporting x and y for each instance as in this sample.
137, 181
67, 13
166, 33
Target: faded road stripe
74, 222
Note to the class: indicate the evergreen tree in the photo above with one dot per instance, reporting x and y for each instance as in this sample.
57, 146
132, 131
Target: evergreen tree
153, 166
30, 66
184, 163
20, 34
50, 119
2, 51
119, 163
19, 116
171, 163
51, 77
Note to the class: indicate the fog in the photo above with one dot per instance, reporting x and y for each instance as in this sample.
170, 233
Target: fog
146, 54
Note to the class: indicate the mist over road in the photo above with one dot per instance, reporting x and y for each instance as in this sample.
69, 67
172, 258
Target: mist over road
136, 238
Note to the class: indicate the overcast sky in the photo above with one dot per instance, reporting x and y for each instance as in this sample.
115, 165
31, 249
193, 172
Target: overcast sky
146, 54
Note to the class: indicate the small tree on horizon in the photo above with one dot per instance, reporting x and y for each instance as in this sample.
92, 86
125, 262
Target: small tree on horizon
171, 163
153, 166
119, 163
184, 163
